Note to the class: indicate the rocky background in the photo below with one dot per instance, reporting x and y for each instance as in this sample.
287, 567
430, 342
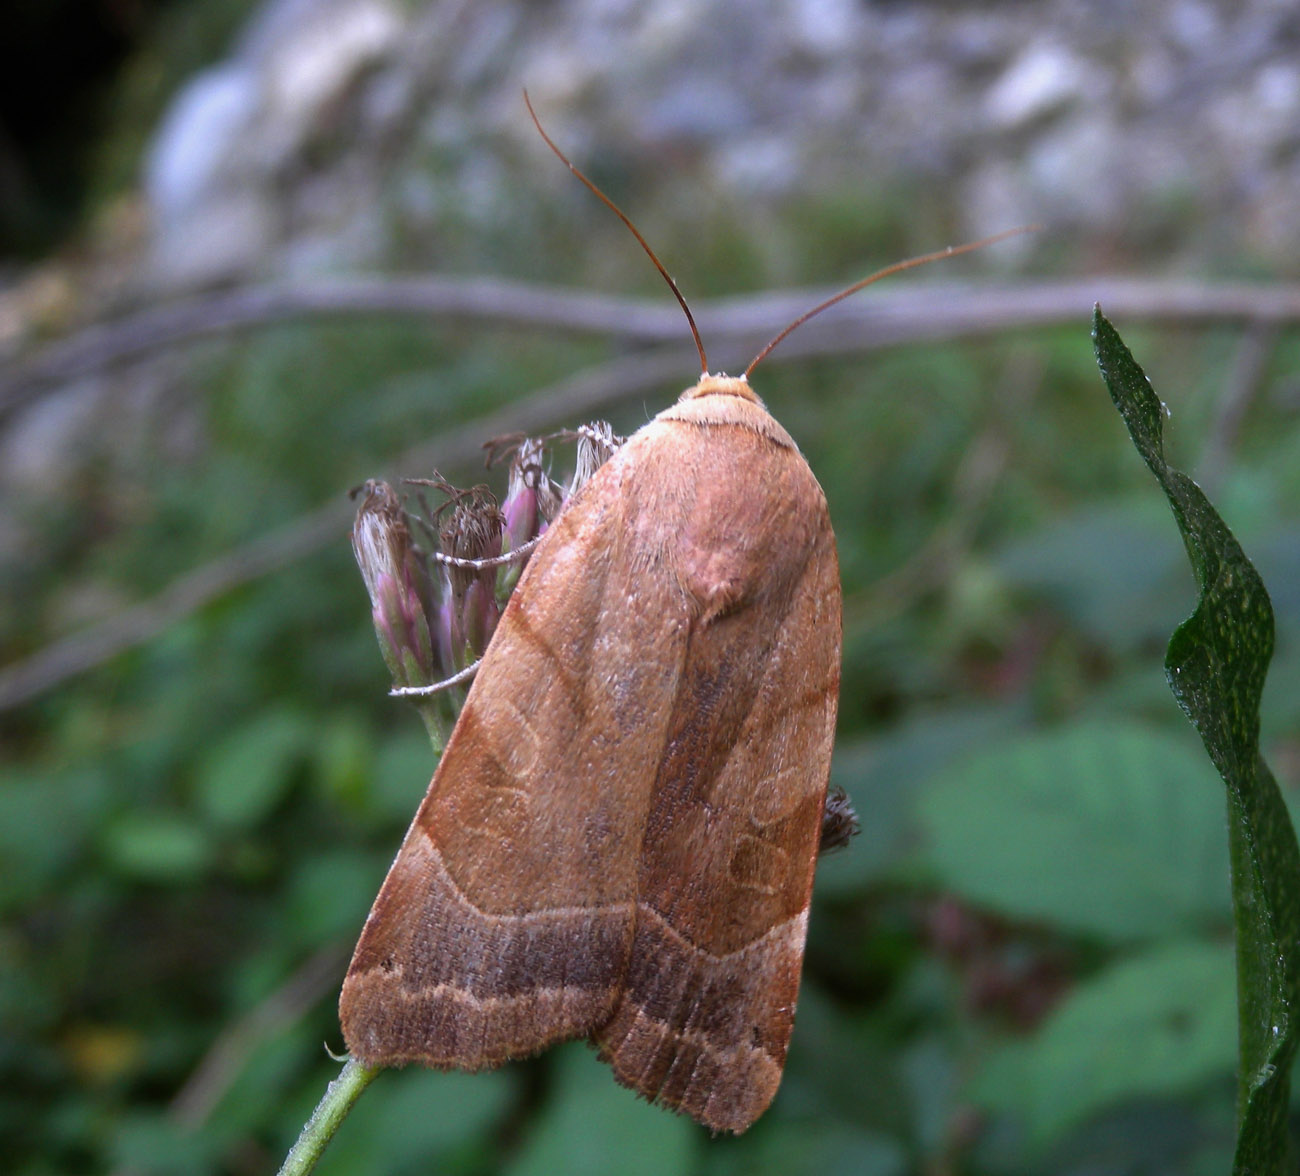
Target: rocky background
348, 134
338, 131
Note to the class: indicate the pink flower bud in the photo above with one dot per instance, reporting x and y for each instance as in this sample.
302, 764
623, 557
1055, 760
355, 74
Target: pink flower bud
521, 506
397, 583
474, 531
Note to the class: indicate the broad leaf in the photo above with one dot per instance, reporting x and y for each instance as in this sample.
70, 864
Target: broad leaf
593, 1126
1158, 1024
245, 776
881, 776
1118, 831
418, 1117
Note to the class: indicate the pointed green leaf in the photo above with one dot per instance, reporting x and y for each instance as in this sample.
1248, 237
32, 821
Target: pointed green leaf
1216, 664
814, 1146
246, 775
163, 848
420, 1116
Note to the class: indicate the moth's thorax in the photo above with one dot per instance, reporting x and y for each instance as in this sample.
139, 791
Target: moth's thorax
726, 401
721, 385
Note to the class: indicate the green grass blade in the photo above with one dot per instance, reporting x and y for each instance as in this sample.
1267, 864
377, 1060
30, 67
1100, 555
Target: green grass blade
1215, 663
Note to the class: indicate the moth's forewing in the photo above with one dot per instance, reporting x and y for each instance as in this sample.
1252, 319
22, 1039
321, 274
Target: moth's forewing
726, 874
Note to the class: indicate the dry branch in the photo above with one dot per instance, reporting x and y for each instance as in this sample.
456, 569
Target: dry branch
878, 319
735, 328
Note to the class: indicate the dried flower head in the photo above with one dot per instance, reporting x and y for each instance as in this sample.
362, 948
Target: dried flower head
597, 443
435, 608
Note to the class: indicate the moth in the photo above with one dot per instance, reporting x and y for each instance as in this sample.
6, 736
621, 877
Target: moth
620, 837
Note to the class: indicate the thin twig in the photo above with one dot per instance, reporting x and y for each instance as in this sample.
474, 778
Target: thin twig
492, 561
974, 483
66, 657
1245, 378
108, 345
325, 1119
578, 396
930, 312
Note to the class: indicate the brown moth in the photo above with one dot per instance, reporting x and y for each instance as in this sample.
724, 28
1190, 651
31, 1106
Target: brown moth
620, 837
619, 840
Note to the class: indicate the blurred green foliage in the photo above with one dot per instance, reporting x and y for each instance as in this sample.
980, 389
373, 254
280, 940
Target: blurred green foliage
1023, 964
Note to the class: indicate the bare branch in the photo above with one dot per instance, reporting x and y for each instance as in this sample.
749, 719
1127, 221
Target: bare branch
222, 1064
1245, 378
882, 318
140, 335
974, 483
916, 314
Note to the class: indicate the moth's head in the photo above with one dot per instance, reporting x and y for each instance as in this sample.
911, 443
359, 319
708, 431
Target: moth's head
721, 385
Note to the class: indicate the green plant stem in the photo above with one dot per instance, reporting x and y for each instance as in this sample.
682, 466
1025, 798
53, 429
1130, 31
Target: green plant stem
329, 1113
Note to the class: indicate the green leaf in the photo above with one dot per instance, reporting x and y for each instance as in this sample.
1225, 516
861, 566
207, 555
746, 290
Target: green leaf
1215, 663
45, 820
808, 1147
148, 1142
413, 1117
829, 1054
245, 776
881, 776
329, 894
592, 1126
1118, 831
157, 847
1109, 567
1158, 1024
403, 768
267, 1074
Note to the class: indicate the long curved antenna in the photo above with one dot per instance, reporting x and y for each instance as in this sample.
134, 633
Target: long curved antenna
897, 267
618, 212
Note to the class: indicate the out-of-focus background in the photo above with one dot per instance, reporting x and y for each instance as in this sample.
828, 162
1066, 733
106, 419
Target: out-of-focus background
228, 237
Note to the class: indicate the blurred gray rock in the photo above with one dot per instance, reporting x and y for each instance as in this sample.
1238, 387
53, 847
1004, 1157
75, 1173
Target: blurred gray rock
341, 131
237, 133
1043, 79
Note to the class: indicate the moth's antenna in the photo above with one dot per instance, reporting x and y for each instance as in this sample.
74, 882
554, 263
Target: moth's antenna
618, 212
896, 268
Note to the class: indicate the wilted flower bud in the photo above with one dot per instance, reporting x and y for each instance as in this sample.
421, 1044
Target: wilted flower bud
472, 533
428, 637
397, 581
450, 630
521, 507
597, 443
480, 616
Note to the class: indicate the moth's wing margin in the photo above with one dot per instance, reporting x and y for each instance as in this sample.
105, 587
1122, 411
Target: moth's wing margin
505, 923
705, 1017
